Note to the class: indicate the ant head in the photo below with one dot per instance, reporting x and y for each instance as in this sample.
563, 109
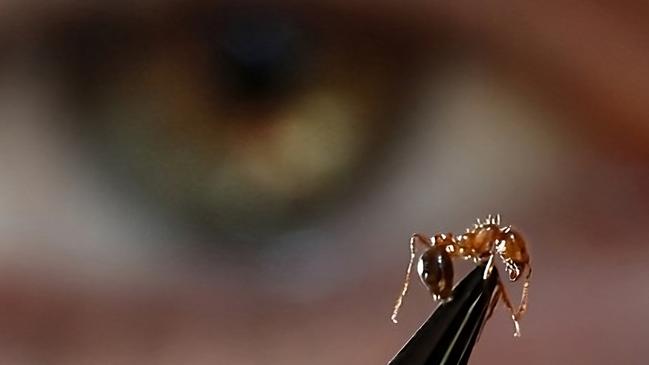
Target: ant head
513, 250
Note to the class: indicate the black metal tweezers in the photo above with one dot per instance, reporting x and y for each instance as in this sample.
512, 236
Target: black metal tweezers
448, 336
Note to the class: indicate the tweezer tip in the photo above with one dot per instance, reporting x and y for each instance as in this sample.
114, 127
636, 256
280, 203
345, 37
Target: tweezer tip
448, 336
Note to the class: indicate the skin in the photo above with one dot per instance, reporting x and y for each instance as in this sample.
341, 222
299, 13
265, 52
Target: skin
588, 60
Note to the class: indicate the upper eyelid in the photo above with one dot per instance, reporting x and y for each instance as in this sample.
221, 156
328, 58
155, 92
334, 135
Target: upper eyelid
30, 21
70, 37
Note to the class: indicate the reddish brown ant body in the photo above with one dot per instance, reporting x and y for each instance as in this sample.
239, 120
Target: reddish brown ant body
480, 244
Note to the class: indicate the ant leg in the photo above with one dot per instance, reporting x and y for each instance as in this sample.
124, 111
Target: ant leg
488, 267
490, 262
414, 239
522, 308
508, 304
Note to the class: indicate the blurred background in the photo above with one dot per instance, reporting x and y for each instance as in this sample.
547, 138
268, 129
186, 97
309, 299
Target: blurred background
236, 182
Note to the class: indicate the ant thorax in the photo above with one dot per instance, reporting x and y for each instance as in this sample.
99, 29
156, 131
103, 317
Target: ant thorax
480, 242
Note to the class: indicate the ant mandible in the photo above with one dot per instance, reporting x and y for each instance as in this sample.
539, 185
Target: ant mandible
480, 244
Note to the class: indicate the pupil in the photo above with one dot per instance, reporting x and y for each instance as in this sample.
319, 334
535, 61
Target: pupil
260, 56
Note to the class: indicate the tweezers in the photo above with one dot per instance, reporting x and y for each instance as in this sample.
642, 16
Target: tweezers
448, 336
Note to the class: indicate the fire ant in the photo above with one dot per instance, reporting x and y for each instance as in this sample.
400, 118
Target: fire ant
480, 244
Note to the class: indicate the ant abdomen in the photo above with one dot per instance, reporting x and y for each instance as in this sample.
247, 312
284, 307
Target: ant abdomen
435, 269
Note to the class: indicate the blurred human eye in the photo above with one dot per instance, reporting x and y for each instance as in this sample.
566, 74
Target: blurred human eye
236, 182
247, 121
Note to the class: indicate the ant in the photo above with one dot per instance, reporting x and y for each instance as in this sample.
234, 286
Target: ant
480, 244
